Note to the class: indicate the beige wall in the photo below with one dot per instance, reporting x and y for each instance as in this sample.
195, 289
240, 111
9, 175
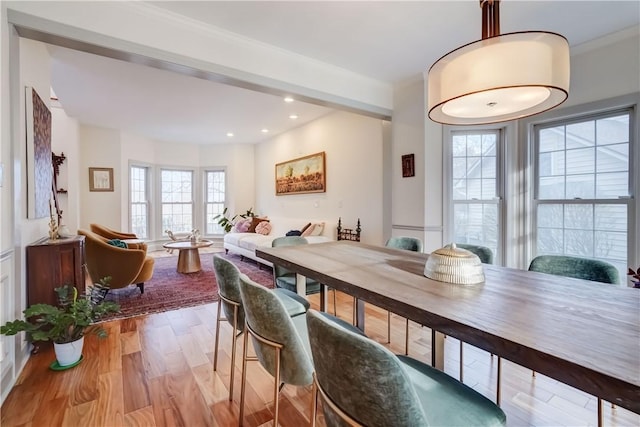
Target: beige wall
354, 171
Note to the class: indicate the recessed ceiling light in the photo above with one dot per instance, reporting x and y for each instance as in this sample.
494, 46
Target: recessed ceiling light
229, 134
288, 99
293, 116
265, 130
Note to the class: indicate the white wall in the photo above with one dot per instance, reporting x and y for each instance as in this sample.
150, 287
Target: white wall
354, 171
100, 148
65, 138
407, 205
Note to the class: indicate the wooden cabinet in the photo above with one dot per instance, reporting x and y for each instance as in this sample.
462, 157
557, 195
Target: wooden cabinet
51, 264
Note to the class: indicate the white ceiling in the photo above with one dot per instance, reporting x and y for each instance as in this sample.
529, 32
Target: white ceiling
389, 41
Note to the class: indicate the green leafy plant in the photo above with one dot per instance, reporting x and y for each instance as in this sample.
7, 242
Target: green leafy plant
227, 223
74, 317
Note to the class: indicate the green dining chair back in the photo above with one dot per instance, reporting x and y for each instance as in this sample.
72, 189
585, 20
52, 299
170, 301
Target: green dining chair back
361, 382
407, 243
280, 342
484, 253
578, 268
228, 282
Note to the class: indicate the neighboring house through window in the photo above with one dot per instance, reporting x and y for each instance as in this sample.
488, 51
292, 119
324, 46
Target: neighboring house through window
583, 201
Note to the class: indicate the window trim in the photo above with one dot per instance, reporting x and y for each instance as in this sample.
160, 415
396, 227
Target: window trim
148, 190
580, 113
194, 194
204, 172
505, 131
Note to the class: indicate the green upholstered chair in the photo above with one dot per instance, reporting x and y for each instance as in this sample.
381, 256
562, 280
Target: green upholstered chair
286, 279
409, 244
281, 342
484, 253
363, 383
578, 268
228, 280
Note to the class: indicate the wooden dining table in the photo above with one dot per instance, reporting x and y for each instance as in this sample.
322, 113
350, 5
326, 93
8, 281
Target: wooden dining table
582, 333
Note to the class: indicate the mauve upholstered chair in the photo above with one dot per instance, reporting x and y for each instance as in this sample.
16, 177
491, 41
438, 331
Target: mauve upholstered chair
363, 383
228, 280
408, 244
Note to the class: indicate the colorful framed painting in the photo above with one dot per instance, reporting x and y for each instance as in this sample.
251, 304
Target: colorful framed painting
302, 175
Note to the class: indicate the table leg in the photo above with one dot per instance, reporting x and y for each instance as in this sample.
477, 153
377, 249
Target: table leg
360, 314
188, 261
437, 350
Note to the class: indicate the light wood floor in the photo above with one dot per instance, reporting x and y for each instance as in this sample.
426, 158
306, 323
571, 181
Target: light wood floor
157, 370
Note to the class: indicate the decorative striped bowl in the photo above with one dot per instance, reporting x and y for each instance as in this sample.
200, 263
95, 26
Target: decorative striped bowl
454, 265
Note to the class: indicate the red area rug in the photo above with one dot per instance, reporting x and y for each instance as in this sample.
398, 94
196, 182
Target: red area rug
169, 290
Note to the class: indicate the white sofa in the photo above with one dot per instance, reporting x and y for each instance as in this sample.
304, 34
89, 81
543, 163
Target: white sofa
245, 244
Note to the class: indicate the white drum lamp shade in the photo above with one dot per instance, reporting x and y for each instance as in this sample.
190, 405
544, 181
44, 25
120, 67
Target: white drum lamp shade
499, 78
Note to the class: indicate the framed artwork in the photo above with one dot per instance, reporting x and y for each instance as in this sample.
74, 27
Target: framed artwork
301, 175
39, 164
408, 166
100, 179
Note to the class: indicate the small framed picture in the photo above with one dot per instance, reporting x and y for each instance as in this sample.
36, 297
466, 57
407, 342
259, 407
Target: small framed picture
408, 167
100, 179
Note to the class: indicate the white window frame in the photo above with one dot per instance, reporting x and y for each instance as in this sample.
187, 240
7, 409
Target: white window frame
205, 201
148, 190
505, 134
598, 108
194, 202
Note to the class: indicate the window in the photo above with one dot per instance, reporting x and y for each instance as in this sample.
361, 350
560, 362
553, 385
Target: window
582, 198
475, 188
176, 194
139, 201
214, 200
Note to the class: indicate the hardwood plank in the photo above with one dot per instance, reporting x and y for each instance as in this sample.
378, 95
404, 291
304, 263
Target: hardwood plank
140, 418
81, 415
192, 351
130, 342
21, 407
50, 412
110, 405
135, 388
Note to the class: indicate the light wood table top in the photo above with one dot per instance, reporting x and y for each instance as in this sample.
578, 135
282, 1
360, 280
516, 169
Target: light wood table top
584, 334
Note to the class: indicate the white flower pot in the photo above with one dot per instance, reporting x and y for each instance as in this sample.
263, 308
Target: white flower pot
68, 353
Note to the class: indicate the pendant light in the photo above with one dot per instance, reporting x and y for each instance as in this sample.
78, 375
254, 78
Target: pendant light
500, 77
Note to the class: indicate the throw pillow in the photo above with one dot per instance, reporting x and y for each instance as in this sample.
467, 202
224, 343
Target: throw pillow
255, 221
264, 227
305, 227
117, 243
309, 230
242, 226
293, 233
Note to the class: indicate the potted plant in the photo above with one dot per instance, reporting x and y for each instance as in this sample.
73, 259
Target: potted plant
226, 223
67, 324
